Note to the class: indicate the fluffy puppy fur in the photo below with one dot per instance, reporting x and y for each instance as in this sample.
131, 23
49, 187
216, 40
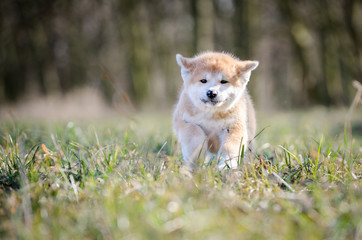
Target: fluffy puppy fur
214, 115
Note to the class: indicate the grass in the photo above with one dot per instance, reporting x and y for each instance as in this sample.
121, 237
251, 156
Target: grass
124, 180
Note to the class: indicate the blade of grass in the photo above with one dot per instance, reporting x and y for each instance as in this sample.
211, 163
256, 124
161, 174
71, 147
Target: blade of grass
317, 160
241, 152
300, 163
259, 133
282, 181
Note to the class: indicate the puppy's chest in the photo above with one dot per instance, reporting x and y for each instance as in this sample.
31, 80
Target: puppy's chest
211, 124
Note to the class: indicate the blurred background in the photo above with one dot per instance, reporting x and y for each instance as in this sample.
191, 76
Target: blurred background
120, 54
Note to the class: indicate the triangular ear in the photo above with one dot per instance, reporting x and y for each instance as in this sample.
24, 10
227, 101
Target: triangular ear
187, 66
184, 62
244, 68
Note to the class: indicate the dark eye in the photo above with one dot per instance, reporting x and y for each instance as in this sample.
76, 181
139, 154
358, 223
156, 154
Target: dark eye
223, 81
203, 80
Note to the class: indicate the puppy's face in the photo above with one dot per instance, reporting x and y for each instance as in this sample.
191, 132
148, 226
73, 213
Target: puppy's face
215, 81
214, 89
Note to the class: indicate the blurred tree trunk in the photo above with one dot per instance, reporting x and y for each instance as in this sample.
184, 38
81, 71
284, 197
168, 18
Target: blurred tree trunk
23, 69
139, 59
241, 26
329, 90
287, 9
203, 15
348, 6
135, 33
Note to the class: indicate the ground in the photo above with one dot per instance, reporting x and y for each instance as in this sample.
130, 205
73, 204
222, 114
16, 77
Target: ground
123, 178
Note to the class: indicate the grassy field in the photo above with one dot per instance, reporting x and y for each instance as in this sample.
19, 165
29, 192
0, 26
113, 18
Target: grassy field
123, 179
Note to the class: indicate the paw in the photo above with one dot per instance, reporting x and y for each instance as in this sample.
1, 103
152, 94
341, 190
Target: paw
227, 162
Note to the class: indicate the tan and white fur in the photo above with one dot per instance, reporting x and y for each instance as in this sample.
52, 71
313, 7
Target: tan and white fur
214, 115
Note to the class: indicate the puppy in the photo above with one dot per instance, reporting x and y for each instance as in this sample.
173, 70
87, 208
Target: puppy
214, 116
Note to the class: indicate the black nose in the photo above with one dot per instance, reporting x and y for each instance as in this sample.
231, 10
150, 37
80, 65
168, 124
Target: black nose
211, 94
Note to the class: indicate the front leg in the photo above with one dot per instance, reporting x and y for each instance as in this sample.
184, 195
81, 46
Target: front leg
193, 142
234, 139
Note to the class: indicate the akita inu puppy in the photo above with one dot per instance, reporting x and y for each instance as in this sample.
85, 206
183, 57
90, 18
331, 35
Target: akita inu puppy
214, 116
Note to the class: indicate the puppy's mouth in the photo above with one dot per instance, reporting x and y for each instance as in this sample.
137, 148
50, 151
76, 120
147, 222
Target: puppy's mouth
211, 101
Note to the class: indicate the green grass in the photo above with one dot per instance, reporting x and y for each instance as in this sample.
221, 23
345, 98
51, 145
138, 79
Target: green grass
124, 179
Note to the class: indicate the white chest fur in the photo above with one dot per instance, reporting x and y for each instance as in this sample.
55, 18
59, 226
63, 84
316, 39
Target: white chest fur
209, 123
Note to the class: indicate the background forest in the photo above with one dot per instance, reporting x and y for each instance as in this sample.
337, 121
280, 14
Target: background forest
309, 51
